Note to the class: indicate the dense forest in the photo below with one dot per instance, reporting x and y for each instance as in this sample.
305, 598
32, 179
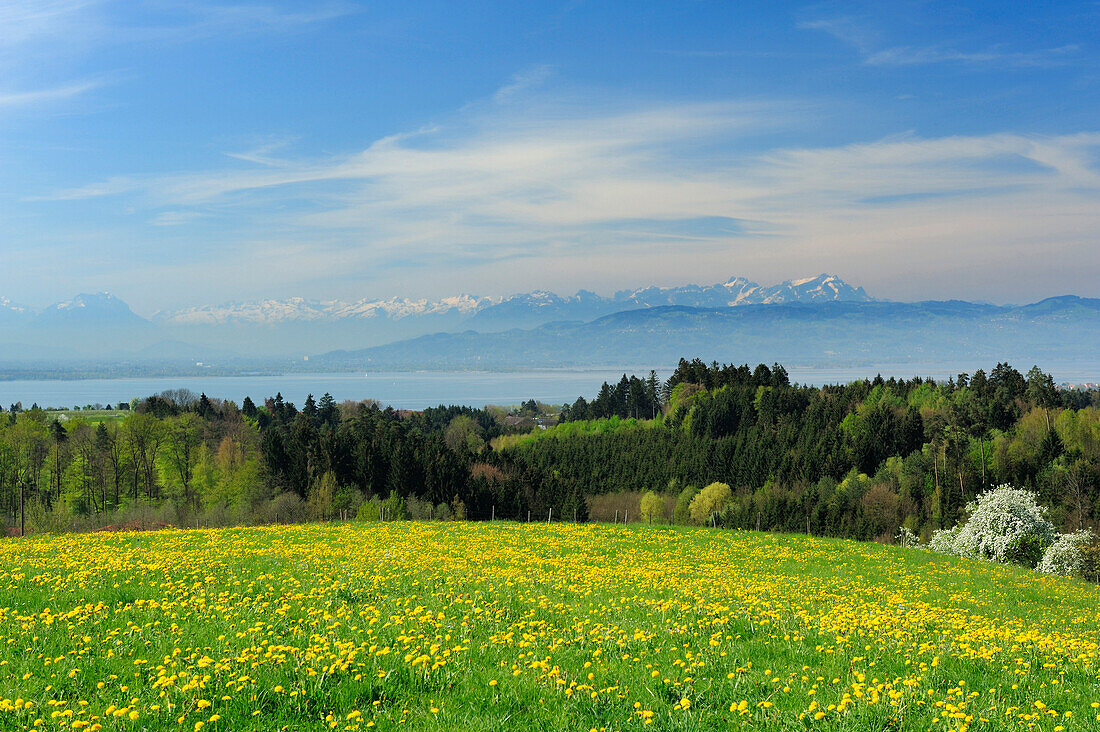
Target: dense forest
857, 460
178, 458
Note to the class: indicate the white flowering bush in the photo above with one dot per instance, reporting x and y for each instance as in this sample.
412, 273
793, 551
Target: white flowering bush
1066, 556
907, 538
1005, 524
943, 541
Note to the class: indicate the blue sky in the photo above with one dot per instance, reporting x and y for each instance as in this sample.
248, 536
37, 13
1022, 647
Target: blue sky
183, 153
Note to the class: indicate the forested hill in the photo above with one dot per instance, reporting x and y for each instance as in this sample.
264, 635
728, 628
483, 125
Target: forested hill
857, 460
830, 333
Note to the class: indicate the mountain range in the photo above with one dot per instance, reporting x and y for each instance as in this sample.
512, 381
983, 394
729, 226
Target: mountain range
814, 322
525, 309
102, 325
940, 334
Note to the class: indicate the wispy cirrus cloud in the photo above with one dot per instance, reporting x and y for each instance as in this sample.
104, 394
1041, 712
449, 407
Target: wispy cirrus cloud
845, 28
862, 35
627, 190
81, 23
37, 41
523, 81
919, 55
264, 153
23, 23
40, 41
42, 96
173, 21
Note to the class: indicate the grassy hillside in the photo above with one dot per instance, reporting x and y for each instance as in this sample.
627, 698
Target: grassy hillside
521, 626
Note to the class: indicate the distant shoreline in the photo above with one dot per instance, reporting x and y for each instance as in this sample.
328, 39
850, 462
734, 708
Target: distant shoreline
1071, 371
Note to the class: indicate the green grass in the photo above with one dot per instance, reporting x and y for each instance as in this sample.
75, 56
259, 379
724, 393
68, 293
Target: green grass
499, 626
92, 416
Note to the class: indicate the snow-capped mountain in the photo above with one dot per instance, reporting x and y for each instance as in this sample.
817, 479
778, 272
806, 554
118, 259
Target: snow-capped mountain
100, 307
583, 305
735, 291
85, 325
739, 291
398, 307
103, 324
262, 311
10, 311
823, 288
301, 309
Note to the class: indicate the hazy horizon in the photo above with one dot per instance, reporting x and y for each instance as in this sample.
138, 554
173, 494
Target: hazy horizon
180, 155
499, 295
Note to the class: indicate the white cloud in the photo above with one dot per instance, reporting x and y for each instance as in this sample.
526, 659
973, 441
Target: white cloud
42, 96
175, 218
920, 55
42, 41
860, 33
64, 24
263, 154
24, 22
846, 29
522, 82
546, 194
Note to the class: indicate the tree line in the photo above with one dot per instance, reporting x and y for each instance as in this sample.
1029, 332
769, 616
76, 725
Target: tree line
178, 458
856, 460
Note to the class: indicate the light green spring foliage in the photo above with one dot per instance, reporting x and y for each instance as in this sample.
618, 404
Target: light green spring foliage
681, 514
712, 499
464, 435
321, 496
652, 508
684, 395
601, 426
369, 510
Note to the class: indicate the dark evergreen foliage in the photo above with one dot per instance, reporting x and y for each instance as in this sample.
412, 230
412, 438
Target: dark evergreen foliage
854, 460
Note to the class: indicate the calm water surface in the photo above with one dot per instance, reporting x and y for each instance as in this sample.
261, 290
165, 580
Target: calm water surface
414, 389
402, 390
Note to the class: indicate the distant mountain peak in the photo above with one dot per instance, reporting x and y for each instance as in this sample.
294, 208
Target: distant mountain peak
98, 305
98, 322
740, 291
90, 300
6, 304
821, 278
518, 307
822, 288
300, 309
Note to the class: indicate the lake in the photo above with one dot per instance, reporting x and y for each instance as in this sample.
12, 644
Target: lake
409, 389
402, 390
